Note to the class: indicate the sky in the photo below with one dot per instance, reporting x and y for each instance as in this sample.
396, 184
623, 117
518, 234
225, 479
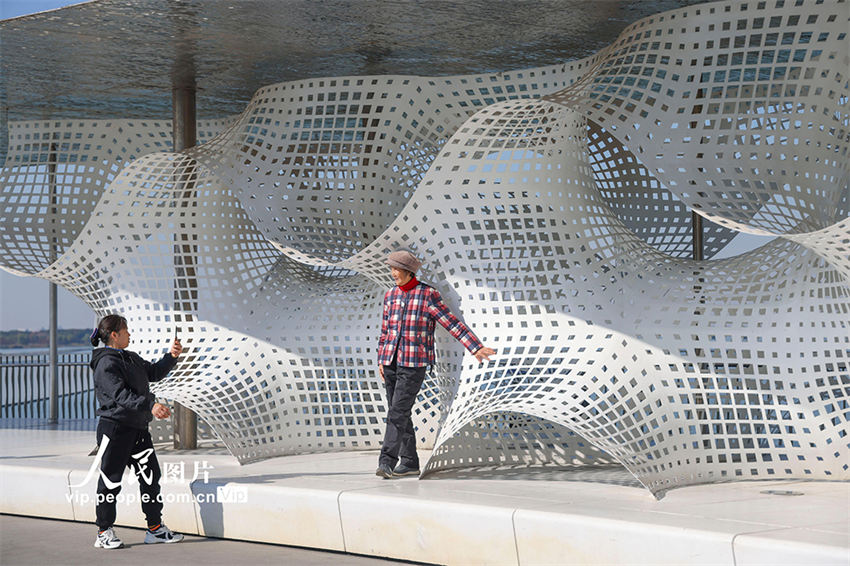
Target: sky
24, 300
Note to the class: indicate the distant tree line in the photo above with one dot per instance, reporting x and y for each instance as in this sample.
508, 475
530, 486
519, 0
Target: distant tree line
41, 338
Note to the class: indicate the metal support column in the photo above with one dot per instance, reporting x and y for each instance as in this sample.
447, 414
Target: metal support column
54, 357
184, 135
699, 290
184, 128
52, 293
696, 222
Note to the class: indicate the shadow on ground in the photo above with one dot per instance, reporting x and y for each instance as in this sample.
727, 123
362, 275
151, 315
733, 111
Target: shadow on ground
612, 475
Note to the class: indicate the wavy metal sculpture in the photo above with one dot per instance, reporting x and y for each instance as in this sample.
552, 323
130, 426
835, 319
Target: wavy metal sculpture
552, 208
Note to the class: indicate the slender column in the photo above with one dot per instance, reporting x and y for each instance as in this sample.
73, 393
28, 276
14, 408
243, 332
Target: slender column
54, 358
184, 132
696, 222
52, 298
184, 135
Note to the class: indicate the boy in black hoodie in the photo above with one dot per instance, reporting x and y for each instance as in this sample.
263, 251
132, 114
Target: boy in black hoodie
126, 406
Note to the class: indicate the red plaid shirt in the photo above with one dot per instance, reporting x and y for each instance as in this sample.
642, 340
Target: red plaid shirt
409, 331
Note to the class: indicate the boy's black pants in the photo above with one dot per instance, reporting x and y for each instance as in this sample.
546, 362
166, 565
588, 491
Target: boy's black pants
127, 447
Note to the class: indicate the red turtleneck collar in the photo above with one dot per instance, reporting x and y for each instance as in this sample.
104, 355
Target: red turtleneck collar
409, 285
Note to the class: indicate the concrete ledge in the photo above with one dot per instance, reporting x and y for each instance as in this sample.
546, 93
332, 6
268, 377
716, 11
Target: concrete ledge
792, 547
269, 513
434, 531
581, 535
33, 490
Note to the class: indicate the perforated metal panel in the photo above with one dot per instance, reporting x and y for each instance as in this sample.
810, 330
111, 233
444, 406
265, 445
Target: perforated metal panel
551, 207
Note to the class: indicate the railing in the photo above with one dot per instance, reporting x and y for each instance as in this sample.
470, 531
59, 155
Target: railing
25, 386
25, 392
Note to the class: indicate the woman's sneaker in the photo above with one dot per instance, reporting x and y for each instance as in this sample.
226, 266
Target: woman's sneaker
107, 539
384, 471
162, 534
402, 470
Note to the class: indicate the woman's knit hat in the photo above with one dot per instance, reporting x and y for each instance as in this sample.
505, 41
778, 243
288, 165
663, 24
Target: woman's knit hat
403, 259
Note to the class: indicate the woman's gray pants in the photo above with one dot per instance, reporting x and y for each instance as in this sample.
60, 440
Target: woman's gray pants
402, 385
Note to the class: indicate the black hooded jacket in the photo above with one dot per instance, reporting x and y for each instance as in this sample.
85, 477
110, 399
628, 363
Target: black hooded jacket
121, 381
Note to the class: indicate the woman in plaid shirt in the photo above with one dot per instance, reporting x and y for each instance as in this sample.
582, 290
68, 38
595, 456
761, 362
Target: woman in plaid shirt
405, 349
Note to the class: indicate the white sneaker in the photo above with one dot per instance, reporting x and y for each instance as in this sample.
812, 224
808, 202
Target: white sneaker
107, 540
162, 534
